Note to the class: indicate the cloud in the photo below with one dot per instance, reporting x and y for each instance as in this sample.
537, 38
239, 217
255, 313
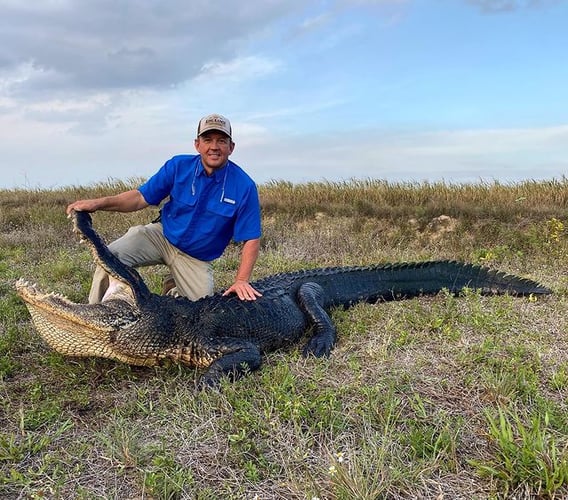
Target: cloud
57, 158
238, 69
462, 156
310, 25
56, 54
126, 44
502, 6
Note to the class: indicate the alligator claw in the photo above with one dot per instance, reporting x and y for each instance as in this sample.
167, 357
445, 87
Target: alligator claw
207, 384
318, 347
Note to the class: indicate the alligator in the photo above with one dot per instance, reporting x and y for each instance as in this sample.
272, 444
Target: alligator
225, 335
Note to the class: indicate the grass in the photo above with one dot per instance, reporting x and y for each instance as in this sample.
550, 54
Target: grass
435, 397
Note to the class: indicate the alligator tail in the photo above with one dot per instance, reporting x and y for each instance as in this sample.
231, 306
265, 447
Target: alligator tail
488, 281
346, 286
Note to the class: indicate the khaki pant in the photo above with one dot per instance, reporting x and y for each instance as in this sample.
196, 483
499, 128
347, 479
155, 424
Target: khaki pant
146, 246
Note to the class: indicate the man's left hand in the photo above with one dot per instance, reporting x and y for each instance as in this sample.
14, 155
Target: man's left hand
244, 290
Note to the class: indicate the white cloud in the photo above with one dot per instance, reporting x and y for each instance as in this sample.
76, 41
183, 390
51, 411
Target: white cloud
460, 156
504, 6
126, 44
55, 158
238, 69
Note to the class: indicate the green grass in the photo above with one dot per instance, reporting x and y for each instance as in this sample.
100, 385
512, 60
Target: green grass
434, 397
528, 452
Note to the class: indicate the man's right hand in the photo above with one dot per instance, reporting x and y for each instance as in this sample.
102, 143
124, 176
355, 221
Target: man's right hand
83, 206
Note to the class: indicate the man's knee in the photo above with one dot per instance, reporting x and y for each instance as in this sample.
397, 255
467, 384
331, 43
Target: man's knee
124, 248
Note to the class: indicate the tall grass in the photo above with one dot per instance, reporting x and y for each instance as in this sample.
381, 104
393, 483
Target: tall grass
435, 397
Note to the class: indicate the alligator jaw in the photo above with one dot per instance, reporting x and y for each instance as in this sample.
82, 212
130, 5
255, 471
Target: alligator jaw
79, 329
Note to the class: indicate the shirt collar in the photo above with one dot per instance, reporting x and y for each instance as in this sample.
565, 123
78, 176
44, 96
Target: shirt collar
218, 174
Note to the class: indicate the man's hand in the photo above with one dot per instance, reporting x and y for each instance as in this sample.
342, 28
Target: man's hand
243, 289
83, 206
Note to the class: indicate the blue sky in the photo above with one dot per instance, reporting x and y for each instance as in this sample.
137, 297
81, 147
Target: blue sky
452, 90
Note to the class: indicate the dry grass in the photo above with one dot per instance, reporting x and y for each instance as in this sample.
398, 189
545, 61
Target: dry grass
438, 397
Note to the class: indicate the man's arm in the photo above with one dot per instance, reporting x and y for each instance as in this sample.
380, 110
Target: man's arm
129, 201
241, 286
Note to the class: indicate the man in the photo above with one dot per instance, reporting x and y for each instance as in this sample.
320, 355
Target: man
211, 202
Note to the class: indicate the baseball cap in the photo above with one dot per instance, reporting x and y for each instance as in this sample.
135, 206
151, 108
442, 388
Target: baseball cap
214, 122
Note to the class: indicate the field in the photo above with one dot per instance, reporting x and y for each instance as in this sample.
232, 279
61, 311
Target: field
436, 397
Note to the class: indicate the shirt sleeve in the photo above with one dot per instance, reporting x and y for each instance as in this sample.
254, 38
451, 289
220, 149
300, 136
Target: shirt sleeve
248, 222
159, 186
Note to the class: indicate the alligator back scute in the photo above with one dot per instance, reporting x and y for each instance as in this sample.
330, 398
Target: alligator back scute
272, 321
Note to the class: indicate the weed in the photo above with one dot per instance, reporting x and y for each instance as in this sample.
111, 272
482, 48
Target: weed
527, 452
166, 478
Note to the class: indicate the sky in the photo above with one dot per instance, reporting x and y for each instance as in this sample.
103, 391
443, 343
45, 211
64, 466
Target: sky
458, 91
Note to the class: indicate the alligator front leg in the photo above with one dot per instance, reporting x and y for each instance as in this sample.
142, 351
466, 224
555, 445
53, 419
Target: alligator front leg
236, 361
310, 298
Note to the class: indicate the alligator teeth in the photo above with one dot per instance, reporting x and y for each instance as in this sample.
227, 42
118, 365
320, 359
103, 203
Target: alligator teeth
22, 283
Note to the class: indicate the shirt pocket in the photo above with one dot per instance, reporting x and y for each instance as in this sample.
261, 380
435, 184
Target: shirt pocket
220, 209
219, 218
181, 208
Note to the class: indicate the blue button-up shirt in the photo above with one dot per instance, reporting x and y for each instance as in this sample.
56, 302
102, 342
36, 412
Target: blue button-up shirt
204, 212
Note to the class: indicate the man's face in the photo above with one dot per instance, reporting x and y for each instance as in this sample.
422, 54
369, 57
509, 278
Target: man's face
214, 148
